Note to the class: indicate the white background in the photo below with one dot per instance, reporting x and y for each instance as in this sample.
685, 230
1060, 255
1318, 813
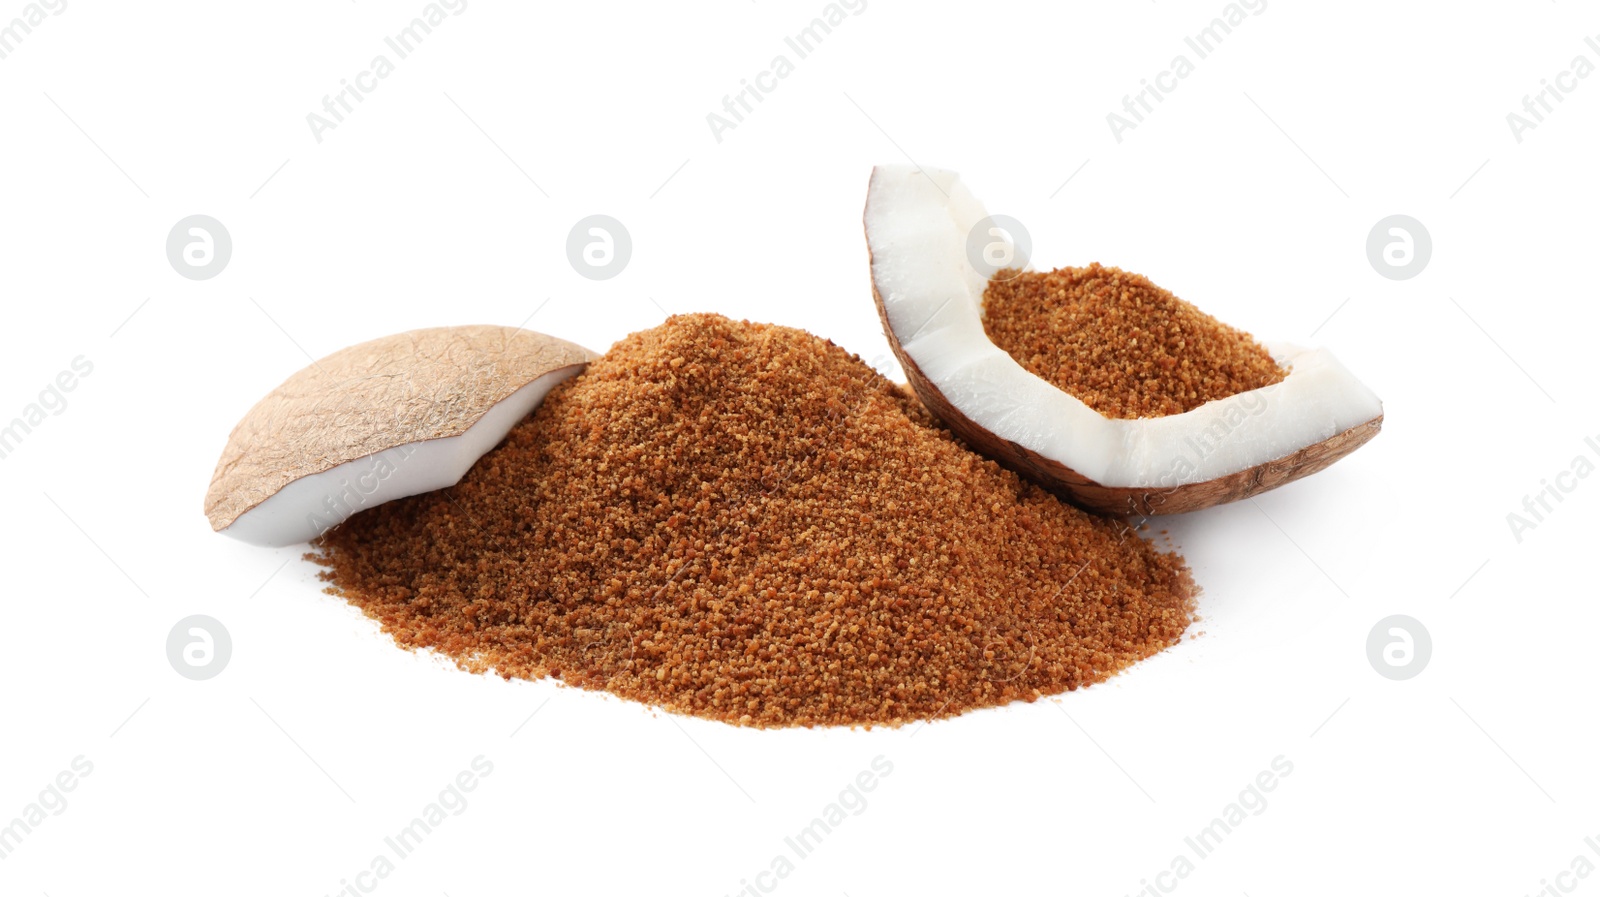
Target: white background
446, 199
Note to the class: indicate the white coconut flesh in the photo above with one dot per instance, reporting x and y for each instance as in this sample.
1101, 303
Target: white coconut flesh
387, 419
930, 297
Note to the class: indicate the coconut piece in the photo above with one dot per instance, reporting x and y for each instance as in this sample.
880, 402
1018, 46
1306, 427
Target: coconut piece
393, 417
930, 299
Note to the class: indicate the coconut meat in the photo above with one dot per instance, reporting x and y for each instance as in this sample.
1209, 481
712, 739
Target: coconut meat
917, 224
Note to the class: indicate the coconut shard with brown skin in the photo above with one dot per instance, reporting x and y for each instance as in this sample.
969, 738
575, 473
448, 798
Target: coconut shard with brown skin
397, 416
929, 292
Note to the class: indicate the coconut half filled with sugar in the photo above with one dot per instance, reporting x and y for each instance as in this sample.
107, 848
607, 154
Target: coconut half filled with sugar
394, 417
934, 250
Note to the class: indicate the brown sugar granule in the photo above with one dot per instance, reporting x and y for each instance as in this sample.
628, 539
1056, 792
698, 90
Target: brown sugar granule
746, 523
1124, 346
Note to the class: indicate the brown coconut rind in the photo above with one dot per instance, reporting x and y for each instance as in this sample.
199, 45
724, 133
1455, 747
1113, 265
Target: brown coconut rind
1123, 500
366, 399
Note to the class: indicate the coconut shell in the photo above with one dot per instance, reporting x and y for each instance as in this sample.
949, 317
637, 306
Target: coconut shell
398, 390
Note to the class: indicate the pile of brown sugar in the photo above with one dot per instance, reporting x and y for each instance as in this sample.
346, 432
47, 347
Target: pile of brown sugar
746, 523
1124, 346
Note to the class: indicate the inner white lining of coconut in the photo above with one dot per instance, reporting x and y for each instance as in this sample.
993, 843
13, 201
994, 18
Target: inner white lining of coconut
917, 225
313, 504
